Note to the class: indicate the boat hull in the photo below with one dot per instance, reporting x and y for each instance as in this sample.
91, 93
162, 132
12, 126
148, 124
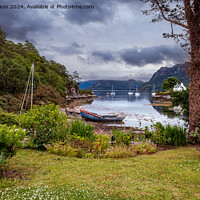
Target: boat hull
100, 118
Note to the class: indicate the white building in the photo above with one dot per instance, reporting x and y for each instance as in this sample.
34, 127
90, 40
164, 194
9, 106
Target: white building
179, 87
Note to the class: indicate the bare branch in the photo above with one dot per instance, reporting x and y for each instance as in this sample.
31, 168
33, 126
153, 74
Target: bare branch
167, 19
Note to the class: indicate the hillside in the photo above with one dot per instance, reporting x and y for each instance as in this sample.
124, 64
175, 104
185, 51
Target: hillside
51, 80
179, 71
117, 85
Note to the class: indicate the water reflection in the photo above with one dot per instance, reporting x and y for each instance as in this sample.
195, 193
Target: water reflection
136, 109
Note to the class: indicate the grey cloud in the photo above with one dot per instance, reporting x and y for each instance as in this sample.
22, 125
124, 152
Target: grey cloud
19, 23
105, 56
151, 55
141, 57
103, 11
74, 48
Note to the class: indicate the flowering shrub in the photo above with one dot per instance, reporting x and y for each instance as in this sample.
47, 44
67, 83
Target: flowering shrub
44, 124
100, 144
10, 141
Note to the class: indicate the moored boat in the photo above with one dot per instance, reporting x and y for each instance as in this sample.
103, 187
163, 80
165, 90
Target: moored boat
100, 118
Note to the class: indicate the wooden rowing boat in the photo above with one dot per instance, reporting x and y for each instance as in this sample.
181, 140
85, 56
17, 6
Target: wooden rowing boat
100, 118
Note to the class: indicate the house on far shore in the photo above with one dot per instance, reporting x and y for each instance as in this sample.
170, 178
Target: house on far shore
179, 87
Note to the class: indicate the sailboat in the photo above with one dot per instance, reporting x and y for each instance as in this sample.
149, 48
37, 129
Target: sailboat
137, 94
153, 93
129, 92
112, 92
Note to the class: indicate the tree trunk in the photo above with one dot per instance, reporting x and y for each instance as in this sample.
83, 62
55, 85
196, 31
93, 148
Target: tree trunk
193, 20
194, 97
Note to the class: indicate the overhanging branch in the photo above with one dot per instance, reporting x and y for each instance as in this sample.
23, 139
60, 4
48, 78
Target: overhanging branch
167, 19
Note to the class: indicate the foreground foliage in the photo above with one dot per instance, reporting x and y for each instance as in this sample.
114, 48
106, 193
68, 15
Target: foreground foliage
44, 124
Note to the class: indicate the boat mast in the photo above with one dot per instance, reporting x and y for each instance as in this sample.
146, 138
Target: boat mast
32, 86
27, 86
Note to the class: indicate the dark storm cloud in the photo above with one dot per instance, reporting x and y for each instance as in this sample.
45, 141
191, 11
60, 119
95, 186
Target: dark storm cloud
103, 11
141, 57
19, 23
74, 48
151, 55
105, 56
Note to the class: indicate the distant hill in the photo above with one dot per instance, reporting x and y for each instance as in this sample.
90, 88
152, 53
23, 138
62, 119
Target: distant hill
86, 84
179, 71
117, 85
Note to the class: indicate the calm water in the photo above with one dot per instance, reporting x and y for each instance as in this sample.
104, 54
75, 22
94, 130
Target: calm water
136, 109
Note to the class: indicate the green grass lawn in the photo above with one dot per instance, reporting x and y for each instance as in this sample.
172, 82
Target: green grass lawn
171, 174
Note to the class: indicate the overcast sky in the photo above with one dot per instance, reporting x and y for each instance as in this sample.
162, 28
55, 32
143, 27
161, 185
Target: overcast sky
112, 41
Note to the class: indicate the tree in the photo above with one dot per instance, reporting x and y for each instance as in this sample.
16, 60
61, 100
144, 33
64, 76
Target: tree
181, 98
2, 37
186, 14
13, 75
76, 77
169, 83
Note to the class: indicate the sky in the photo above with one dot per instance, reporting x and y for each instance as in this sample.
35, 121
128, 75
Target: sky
113, 40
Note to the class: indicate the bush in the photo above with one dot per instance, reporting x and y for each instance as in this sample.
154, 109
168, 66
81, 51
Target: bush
81, 142
172, 135
176, 135
194, 136
8, 118
79, 128
44, 124
77, 146
10, 141
158, 136
86, 92
121, 137
61, 148
181, 98
145, 148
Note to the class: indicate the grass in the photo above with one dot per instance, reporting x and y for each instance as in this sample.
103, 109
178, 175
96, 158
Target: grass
171, 174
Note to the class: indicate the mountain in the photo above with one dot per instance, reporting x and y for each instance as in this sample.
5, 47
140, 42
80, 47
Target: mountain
86, 84
117, 85
180, 71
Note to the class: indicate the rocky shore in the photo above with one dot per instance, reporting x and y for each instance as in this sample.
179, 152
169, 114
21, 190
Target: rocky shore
83, 96
161, 97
